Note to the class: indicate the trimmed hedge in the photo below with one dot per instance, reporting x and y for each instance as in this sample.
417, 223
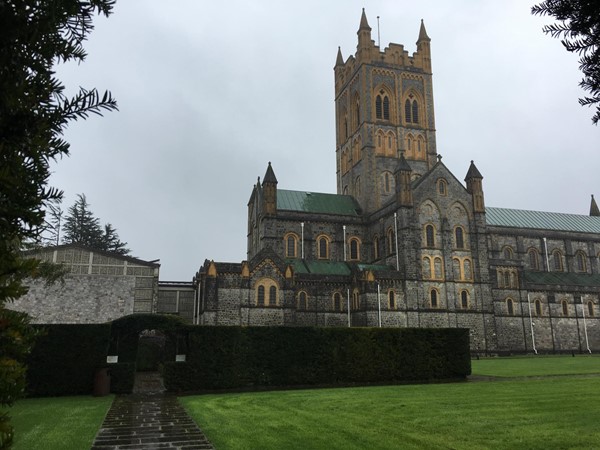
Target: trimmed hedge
122, 377
65, 358
247, 357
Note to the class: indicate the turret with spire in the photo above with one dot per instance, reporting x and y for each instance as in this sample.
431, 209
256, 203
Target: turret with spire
365, 44
594, 211
269, 188
475, 188
424, 48
403, 186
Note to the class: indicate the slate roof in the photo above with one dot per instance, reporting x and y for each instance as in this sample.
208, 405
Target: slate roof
315, 202
563, 278
517, 218
320, 267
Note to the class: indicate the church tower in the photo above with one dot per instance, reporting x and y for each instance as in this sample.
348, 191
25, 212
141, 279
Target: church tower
384, 109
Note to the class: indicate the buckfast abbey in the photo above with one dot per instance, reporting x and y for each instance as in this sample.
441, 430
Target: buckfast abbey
403, 243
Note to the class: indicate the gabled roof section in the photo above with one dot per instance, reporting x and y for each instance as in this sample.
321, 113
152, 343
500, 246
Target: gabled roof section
320, 267
517, 218
439, 166
563, 278
315, 202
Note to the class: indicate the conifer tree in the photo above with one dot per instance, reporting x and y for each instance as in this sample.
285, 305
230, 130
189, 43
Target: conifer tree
579, 28
34, 112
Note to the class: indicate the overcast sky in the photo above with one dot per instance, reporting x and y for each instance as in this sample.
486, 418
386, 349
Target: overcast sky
210, 92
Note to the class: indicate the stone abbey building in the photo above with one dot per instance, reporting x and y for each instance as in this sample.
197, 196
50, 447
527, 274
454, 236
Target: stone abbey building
404, 243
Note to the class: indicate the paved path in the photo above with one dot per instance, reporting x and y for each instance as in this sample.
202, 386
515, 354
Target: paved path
149, 420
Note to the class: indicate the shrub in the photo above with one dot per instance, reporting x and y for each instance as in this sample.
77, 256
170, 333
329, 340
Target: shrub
241, 357
65, 358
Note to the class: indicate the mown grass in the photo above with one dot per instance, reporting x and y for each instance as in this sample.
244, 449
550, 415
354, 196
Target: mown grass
59, 423
536, 366
549, 413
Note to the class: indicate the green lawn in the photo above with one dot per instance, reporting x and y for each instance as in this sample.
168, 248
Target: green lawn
537, 366
549, 413
58, 423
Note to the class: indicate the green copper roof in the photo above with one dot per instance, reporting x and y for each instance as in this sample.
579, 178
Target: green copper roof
320, 267
374, 267
516, 218
315, 202
563, 278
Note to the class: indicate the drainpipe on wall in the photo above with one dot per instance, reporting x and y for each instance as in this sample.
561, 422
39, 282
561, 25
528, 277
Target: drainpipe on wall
396, 236
531, 325
587, 344
348, 297
547, 260
344, 227
302, 239
379, 303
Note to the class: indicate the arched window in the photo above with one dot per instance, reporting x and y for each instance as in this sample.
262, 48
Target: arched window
382, 106
590, 307
442, 187
459, 238
508, 253
506, 279
456, 269
580, 259
355, 300
357, 187
409, 140
337, 301
534, 260
415, 112
387, 183
464, 299
421, 153
429, 235
514, 281
438, 268
354, 249
427, 268
323, 247
260, 297
356, 112
433, 298
411, 110
386, 108
391, 144
345, 127
510, 309
266, 292
565, 307
538, 308
376, 247
356, 151
391, 245
291, 245
392, 299
380, 142
557, 259
302, 300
